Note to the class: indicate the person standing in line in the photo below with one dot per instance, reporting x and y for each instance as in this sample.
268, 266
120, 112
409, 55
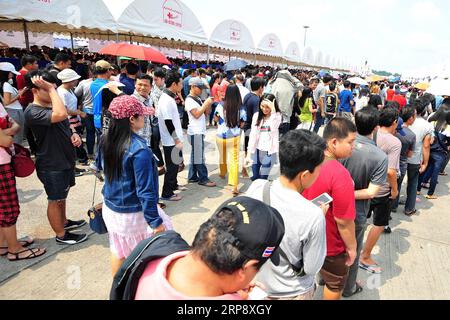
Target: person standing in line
381, 205
264, 140
130, 208
290, 275
347, 104
197, 111
171, 135
418, 163
29, 63
159, 76
319, 98
228, 136
55, 155
307, 110
368, 167
10, 246
62, 62
10, 96
335, 180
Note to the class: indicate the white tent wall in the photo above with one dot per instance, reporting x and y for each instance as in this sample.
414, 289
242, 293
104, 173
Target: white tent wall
308, 56
270, 44
16, 39
293, 52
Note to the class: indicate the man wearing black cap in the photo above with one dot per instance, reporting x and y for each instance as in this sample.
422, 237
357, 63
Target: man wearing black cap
227, 252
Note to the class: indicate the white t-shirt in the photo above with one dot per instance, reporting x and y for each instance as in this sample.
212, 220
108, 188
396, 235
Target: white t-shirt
196, 126
14, 93
361, 103
243, 90
421, 129
168, 110
265, 141
69, 99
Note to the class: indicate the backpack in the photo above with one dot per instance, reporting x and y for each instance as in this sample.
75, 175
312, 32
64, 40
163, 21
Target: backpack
126, 280
331, 102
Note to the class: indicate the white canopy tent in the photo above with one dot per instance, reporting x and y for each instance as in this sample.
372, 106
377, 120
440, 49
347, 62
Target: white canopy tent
15, 39
308, 56
232, 35
293, 52
270, 44
319, 59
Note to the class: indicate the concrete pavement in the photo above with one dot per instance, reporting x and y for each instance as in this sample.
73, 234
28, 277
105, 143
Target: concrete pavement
415, 257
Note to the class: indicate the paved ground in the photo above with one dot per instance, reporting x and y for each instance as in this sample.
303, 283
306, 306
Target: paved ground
415, 257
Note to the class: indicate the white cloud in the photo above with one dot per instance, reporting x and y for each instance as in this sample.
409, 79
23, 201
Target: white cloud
425, 10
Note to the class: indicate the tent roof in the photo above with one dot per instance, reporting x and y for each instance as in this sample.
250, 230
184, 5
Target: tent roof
232, 35
293, 52
270, 44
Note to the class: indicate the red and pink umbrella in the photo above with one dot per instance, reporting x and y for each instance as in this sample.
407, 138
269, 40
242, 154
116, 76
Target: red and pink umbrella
136, 52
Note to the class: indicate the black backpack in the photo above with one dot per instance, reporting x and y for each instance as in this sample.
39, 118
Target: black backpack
126, 281
331, 102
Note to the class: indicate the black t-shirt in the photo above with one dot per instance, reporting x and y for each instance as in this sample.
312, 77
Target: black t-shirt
55, 151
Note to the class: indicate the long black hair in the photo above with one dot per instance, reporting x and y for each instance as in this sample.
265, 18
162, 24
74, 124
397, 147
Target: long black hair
306, 94
442, 118
232, 105
114, 145
4, 77
270, 97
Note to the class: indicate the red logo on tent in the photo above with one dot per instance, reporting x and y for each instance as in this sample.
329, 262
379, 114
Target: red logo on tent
173, 13
272, 43
235, 31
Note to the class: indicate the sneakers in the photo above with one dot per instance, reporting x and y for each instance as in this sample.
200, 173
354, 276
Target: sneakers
387, 230
79, 172
71, 239
71, 225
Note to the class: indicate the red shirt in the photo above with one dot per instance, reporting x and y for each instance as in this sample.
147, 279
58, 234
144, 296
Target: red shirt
390, 94
335, 180
27, 97
401, 101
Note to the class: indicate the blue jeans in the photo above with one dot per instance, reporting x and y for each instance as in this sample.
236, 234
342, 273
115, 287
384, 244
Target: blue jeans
319, 122
411, 191
432, 172
197, 168
262, 164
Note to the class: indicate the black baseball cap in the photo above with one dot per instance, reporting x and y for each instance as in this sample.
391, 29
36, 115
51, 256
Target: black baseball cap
259, 228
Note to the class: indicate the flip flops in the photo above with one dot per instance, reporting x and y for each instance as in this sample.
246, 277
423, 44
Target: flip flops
374, 268
34, 253
358, 289
25, 242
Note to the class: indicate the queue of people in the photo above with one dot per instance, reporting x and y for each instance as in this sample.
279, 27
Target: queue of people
372, 139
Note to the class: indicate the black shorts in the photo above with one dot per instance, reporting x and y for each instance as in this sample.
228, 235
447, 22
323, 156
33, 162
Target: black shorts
57, 183
381, 208
335, 272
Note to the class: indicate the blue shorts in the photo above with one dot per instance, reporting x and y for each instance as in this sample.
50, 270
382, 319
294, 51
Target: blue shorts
57, 183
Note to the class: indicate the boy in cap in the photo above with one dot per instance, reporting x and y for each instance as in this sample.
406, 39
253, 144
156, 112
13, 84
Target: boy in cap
226, 254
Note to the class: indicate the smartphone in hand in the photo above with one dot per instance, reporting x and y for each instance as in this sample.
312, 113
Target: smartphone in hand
322, 199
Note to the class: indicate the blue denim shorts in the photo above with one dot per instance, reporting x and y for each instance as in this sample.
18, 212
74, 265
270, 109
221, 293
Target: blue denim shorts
57, 183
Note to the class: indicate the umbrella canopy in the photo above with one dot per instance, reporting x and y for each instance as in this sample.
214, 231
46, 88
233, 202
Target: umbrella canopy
439, 87
422, 86
235, 65
134, 51
375, 78
357, 80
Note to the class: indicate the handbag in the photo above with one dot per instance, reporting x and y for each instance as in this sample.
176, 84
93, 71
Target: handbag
21, 161
96, 222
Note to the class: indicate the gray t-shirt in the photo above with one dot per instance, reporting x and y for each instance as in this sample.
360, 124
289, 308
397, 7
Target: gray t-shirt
392, 146
421, 129
83, 92
368, 164
304, 239
320, 92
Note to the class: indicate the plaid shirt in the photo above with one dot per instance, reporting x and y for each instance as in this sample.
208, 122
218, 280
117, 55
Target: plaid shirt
145, 132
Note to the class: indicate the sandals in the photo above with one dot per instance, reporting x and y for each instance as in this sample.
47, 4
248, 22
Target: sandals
162, 205
373, 268
358, 289
431, 197
409, 214
34, 253
25, 242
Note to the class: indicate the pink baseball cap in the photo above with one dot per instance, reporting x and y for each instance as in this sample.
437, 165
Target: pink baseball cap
127, 106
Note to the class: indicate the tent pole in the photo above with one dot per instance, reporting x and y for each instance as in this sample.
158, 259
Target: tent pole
192, 49
207, 57
25, 31
71, 40
131, 39
117, 40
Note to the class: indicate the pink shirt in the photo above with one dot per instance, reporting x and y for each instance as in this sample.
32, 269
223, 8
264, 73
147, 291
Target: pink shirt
5, 157
153, 284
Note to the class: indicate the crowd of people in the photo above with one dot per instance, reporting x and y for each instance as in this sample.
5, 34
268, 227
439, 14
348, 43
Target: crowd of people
129, 123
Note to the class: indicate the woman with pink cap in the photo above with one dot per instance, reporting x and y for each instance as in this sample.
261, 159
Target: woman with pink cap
130, 207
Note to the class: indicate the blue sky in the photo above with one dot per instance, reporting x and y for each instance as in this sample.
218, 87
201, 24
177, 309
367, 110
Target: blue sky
393, 35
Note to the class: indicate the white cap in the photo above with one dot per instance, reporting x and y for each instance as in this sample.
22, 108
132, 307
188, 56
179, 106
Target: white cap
68, 75
6, 66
